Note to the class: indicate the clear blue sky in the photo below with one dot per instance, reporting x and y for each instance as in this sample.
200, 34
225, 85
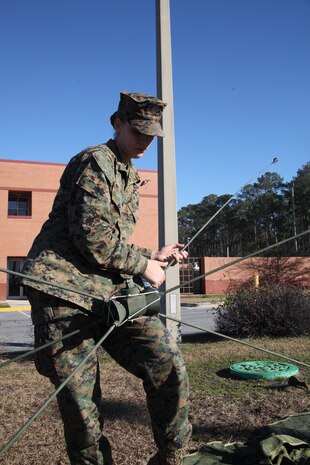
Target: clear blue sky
241, 71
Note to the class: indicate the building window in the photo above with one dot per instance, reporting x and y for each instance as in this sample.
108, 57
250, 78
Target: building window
15, 290
19, 203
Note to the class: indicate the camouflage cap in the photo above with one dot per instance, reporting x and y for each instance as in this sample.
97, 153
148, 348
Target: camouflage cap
142, 111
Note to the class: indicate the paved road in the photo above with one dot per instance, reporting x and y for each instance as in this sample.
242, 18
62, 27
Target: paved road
16, 331
201, 315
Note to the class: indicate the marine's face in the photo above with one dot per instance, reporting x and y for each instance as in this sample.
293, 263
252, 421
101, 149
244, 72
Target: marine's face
130, 143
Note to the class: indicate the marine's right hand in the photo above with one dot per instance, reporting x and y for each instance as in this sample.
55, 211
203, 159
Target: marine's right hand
154, 272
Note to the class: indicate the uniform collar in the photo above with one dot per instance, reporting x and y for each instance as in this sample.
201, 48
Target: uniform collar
131, 172
113, 147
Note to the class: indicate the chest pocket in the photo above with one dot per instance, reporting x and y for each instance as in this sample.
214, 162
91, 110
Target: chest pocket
99, 199
119, 201
129, 210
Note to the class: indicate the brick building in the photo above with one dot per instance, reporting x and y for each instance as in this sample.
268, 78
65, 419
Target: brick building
292, 270
27, 191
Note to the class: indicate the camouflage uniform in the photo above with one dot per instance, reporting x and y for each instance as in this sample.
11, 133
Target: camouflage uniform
84, 245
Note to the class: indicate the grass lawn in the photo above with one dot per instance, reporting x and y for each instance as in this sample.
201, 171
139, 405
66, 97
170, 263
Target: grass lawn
202, 298
222, 408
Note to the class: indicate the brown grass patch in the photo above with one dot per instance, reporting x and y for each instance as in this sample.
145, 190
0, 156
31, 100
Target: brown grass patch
222, 408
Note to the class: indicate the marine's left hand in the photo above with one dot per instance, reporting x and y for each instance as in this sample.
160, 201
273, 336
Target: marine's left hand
170, 252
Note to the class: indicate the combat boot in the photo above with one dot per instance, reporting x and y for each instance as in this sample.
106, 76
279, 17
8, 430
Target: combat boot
172, 457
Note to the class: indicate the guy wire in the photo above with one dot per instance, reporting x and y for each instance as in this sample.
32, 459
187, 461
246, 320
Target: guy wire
173, 262
238, 260
253, 346
48, 344
208, 273
63, 384
54, 394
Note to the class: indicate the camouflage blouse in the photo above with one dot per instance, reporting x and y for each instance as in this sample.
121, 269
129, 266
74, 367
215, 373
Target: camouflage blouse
84, 243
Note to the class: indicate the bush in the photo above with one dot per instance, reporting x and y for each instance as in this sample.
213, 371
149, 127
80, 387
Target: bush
267, 311
4, 305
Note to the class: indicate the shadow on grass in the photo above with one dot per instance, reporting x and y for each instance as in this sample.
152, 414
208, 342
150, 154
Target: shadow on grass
201, 337
189, 304
131, 412
223, 433
225, 373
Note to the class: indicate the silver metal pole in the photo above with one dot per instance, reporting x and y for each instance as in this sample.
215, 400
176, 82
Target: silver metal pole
168, 225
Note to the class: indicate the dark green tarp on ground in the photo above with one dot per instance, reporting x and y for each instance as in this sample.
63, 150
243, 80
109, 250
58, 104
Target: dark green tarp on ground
282, 443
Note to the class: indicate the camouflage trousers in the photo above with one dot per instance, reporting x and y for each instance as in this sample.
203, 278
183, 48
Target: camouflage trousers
144, 347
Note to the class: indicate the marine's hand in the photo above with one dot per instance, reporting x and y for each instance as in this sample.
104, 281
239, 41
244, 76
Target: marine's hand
154, 272
170, 252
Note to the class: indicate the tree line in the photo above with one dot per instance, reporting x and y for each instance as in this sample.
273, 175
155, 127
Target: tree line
264, 213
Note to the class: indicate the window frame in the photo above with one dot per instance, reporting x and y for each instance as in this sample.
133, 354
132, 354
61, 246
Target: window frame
20, 196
